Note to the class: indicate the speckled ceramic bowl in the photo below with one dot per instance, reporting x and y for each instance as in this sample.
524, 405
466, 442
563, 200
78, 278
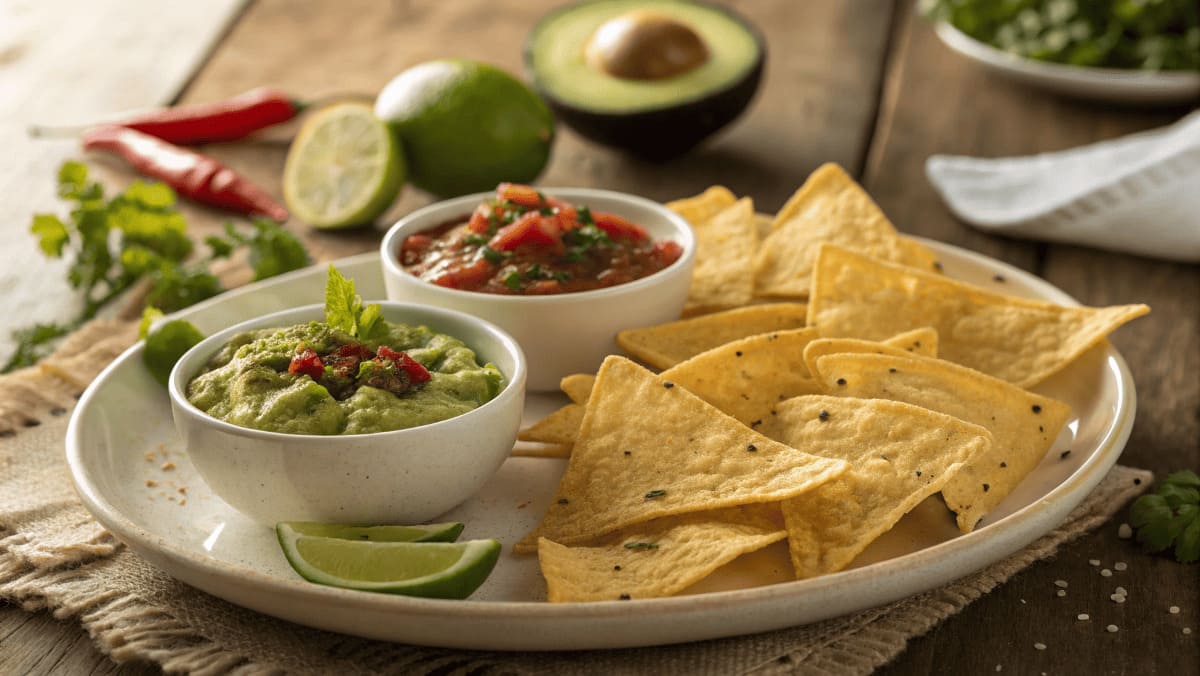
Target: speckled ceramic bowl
403, 476
563, 333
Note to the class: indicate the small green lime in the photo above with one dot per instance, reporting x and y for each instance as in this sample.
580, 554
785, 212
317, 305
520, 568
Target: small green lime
466, 126
448, 570
344, 168
433, 532
165, 344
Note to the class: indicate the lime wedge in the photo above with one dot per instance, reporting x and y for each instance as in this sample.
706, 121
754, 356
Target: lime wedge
344, 168
433, 532
446, 570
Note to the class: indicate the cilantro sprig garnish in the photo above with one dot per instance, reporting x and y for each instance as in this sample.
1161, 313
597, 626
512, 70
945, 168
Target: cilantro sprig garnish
344, 309
1170, 517
138, 236
583, 239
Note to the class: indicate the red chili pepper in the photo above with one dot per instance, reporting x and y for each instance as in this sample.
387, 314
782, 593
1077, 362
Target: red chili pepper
195, 176
532, 228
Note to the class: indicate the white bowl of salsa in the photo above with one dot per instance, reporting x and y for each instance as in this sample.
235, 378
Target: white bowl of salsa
562, 270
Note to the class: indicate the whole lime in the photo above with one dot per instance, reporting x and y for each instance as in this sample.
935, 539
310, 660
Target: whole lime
466, 126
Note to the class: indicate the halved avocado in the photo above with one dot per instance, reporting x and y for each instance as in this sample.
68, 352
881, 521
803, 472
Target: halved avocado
652, 77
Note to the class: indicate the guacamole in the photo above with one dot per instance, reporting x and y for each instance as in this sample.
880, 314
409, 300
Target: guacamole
316, 379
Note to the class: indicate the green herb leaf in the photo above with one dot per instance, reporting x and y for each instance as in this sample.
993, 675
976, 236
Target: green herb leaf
342, 303
174, 287
475, 239
1170, 517
219, 246
513, 280
150, 315
274, 250
33, 343
51, 232
493, 256
344, 309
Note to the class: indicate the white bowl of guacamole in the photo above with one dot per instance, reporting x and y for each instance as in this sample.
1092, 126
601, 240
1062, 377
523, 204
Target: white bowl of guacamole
398, 428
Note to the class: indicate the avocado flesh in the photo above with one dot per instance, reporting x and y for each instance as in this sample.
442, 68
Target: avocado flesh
653, 119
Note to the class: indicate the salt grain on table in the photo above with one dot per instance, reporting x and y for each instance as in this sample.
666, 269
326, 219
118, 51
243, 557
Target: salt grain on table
1039, 646
1105, 573
1120, 565
1112, 628
1174, 610
1061, 592
1124, 531
1060, 583
1083, 617
1094, 562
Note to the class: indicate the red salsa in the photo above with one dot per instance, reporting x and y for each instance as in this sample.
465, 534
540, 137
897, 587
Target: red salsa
525, 243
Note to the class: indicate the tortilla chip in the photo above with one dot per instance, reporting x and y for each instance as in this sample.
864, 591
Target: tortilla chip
899, 455
578, 386
744, 379
628, 466
763, 223
918, 342
700, 208
545, 451
747, 378
725, 248
560, 427
1023, 424
666, 345
829, 207
921, 342
1019, 340
657, 558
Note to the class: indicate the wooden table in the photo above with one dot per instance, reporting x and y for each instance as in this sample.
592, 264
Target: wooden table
861, 82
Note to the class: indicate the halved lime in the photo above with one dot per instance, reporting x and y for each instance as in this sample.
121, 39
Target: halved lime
447, 570
432, 532
345, 167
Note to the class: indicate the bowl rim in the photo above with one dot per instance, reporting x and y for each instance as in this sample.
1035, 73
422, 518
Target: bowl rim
392, 239
514, 385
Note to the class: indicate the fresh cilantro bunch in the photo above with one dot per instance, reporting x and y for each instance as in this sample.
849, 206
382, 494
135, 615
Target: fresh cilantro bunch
113, 244
1156, 35
1170, 516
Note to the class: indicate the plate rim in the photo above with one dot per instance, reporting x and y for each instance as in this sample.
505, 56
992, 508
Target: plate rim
209, 573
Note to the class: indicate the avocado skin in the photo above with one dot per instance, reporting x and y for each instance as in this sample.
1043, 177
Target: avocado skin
663, 133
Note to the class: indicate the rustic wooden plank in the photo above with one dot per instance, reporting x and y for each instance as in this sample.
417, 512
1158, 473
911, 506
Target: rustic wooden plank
938, 102
38, 643
816, 104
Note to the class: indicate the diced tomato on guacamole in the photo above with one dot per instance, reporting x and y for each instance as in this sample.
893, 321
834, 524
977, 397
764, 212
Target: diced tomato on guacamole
523, 242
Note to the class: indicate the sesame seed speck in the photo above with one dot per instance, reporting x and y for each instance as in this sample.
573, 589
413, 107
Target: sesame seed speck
1083, 617
1104, 572
998, 667
1174, 610
1124, 531
1187, 631
1117, 598
1112, 628
1060, 583
1022, 600
1121, 591
1061, 593
1039, 646
1094, 562
1120, 565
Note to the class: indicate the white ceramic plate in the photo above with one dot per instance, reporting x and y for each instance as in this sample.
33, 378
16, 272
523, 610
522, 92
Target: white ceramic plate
1103, 84
121, 435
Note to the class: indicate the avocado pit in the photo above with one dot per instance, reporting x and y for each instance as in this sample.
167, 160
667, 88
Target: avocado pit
645, 45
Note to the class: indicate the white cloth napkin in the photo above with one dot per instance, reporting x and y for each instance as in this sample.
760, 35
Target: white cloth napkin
1138, 194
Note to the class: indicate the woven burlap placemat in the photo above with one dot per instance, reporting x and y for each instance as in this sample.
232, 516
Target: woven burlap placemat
54, 556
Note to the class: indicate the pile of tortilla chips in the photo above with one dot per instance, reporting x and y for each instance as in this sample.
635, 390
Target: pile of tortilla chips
827, 381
